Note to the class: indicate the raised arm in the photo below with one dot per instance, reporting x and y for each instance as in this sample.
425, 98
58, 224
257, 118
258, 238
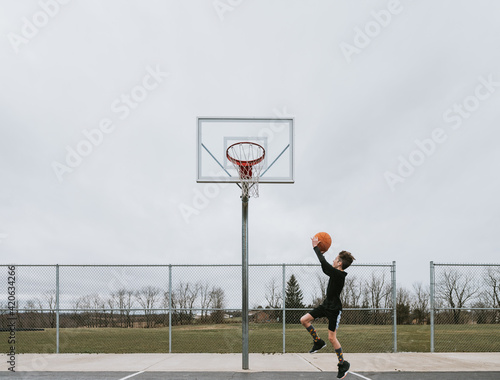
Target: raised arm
327, 268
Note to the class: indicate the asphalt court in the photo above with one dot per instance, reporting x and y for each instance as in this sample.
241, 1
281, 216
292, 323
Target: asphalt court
251, 375
390, 366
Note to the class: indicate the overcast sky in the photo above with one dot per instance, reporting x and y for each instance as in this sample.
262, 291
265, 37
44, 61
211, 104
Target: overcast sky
396, 130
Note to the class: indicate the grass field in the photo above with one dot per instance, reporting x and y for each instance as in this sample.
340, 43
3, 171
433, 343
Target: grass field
264, 337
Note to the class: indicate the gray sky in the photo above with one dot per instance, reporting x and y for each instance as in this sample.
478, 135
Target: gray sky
396, 116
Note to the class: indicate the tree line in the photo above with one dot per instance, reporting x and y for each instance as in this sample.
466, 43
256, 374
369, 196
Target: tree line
147, 307
459, 298
373, 297
468, 297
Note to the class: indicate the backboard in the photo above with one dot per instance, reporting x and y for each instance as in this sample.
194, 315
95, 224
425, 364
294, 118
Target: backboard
216, 134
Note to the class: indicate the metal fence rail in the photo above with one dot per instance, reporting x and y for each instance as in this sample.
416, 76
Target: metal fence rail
192, 308
465, 302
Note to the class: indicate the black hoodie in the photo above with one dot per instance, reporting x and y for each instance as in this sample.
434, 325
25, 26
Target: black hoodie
335, 283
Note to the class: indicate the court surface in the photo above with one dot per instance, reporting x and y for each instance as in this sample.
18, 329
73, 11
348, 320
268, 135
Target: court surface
319, 366
253, 375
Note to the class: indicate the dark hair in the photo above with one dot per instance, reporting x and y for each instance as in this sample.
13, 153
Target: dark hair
346, 258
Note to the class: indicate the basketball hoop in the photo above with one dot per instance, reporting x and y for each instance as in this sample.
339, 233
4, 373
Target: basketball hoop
248, 159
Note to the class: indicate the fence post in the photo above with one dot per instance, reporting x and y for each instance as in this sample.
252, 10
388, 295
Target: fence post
283, 306
394, 306
57, 308
432, 286
170, 308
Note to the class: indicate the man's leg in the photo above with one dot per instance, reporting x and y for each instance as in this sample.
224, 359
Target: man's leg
333, 324
318, 342
343, 364
306, 322
332, 337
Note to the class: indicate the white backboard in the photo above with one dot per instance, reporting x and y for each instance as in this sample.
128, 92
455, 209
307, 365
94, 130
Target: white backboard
216, 134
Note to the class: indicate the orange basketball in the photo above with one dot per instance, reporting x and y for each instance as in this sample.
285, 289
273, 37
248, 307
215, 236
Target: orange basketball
325, 241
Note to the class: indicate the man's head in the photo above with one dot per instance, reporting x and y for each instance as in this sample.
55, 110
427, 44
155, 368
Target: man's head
344, 259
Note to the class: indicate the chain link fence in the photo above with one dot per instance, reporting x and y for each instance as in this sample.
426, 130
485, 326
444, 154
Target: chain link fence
465, 307
191, 308
197, 308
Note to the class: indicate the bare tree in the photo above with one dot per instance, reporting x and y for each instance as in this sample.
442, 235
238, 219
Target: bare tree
376, 286
205, 300
111, 304
274, 294
455, 290
92, 306
3, 313
388, 300
403, 306
420, 304
85, 316
148, 297
176, 314
323, 285
124, 301
129, 304
274, 298
319, 297
50, 300
492, 293
351, 295
185, 296
377, 292
493, 286
192, 296
31, 305
218, 302
29, 317
98, 307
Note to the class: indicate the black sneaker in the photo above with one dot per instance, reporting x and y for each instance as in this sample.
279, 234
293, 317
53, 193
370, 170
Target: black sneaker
317, 346
343, 369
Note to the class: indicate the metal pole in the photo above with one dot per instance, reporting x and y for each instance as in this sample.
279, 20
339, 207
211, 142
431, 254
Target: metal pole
57, 308
170, 309
394, 305
244, 270
283, 305
433, 284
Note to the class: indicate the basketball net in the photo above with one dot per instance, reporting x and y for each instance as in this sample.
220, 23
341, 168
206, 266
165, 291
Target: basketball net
248, 159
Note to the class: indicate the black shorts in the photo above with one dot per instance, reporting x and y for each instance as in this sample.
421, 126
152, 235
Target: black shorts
332, 315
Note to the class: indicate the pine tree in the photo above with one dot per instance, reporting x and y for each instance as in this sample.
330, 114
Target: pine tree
293, 299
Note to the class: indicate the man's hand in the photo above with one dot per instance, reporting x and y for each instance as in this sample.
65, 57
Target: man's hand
315, 242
